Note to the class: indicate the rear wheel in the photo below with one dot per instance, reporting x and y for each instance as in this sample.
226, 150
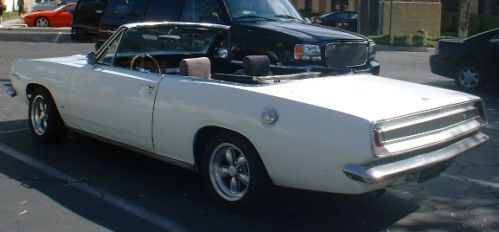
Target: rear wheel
42, 22
233, 173
45, 122
470, 76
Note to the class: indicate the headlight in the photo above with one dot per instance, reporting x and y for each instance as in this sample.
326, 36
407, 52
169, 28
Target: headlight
372, 50
307, 52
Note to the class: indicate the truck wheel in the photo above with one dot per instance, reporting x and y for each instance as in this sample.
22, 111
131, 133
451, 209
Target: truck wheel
233, 173
45, 122
470, 76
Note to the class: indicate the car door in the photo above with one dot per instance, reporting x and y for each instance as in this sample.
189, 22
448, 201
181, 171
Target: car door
62, 17
114, 102
88, 15
67, 15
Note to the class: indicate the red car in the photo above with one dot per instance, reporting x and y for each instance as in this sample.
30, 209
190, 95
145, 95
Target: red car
60, 17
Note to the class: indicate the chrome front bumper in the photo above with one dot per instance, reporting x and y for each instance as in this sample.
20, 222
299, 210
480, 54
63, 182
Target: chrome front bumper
11, 91
396, 169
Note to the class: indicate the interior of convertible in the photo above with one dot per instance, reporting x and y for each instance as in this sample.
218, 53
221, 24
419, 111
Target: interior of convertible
195, 51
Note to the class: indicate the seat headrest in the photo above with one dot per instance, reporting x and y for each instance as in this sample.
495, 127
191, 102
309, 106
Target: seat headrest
196, 67
256, 65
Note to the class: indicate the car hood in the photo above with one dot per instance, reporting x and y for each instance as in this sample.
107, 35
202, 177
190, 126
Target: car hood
369, 97
304, 31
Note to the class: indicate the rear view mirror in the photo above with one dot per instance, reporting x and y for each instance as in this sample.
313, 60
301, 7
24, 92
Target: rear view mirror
91, 58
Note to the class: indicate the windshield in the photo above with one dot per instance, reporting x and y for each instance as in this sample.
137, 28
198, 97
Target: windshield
59, 8
262, 10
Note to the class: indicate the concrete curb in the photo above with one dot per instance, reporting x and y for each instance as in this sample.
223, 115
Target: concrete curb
36, 29
18, 25
403, 49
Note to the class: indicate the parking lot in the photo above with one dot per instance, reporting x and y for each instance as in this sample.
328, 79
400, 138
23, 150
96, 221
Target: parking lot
85, 185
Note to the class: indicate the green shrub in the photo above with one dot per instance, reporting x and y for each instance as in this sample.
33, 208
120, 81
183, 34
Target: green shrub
447, 21
489, 22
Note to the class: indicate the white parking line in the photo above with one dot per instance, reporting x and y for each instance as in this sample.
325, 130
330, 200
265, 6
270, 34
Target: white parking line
116, 201
482, 183
56, 39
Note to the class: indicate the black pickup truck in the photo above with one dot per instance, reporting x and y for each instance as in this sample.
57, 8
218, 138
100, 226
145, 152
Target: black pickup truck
258, 27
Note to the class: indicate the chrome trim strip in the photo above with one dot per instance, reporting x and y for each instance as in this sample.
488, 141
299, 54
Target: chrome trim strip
447, 107
434, 139
11, 91
430, 132
426, 118
381, 151
384, 172
210, 25
153, 155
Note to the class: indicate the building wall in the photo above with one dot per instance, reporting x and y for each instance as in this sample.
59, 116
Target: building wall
409, 17
12, 4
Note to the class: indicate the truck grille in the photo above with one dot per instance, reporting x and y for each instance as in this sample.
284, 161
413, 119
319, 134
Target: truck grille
422, 130
346, 54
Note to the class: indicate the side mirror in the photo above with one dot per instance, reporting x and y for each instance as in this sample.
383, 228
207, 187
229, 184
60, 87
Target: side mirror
91, 58
222, 53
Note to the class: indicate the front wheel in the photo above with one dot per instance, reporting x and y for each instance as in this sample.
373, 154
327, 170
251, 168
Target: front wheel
233, 172
42, 22
470, 77
45, 122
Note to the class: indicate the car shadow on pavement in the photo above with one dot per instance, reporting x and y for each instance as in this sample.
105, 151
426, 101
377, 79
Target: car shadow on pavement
178, 194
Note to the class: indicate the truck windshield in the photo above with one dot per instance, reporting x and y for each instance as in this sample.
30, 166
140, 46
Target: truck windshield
280, 10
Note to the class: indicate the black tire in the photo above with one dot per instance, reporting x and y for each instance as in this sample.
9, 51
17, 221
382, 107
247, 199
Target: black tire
470, 76
47, 127
259, 182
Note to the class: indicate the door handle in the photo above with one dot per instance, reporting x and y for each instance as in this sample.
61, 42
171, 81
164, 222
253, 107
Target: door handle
98, 11
150, 87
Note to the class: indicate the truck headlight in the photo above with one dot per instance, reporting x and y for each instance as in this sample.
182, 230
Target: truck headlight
372, 50
307, 52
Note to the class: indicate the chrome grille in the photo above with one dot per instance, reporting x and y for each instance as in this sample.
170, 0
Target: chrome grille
346, 54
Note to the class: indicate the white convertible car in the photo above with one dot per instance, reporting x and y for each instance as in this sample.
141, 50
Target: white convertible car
158, 88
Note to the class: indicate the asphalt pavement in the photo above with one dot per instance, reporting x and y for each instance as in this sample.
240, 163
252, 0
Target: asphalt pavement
86, 185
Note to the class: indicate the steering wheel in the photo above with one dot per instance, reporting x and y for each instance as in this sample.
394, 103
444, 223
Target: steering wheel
142, 58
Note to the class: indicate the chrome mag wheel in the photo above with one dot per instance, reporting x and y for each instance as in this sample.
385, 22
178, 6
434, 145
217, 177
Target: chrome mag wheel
39, 115
42, 22
229, 172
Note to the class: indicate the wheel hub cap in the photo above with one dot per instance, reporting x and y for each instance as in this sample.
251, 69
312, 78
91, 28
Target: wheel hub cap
469, 77
39, 115
229, 172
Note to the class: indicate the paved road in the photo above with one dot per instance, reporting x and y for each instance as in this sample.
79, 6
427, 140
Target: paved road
86, 185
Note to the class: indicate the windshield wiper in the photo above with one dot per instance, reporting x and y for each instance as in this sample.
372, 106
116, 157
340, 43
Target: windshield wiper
252, 17
288, 17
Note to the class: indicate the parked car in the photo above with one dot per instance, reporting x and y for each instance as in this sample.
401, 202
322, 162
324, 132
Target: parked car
265, 27
51, 5
151, 88
348, 20
472, 63
60, 17
87, 18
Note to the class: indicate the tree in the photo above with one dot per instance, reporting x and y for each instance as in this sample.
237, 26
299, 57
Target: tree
464, 18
